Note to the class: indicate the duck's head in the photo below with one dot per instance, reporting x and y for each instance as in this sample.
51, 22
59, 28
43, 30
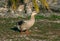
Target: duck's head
34, 13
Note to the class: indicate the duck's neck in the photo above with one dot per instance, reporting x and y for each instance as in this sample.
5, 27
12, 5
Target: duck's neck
32, 17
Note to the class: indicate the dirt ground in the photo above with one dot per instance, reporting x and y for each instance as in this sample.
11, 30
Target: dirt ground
41, 31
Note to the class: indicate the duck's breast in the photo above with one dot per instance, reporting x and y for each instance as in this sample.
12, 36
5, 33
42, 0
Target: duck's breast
27, 25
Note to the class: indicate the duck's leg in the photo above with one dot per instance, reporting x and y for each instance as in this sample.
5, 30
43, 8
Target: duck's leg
27, 32
21, 32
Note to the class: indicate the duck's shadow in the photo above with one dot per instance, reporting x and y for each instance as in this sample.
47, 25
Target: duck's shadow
15, 29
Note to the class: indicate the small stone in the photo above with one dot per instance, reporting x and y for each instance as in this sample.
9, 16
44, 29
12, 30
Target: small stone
33, 40
40, 40
27, 38
36, 27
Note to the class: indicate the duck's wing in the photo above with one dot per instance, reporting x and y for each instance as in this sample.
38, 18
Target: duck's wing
20, 22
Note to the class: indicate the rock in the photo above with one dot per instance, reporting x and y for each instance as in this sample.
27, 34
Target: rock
3, 9
20, 8
36, 28
33, 40
1, 14
27, 38
29, 8
20, 12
